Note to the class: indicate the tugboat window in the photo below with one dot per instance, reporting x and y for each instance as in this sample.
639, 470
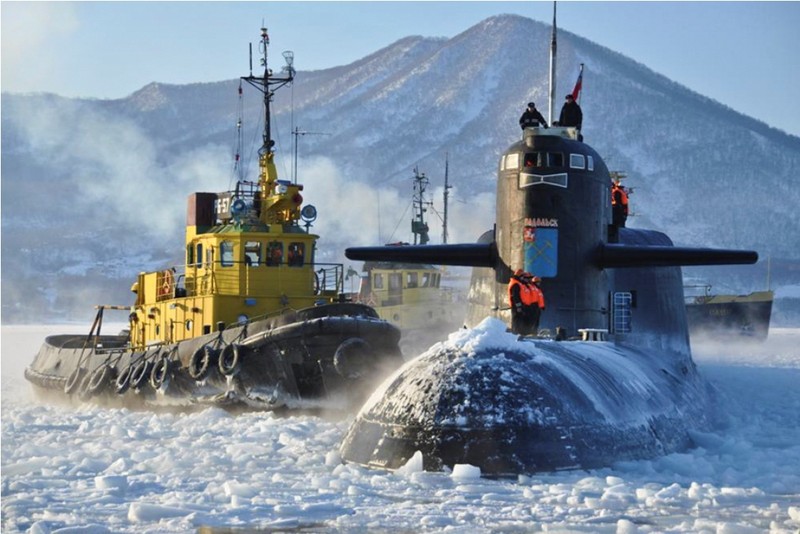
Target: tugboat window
296, 254
274, 253
199, 255
377, 281
226, 256
395, 282
411, 280
190, 255
426, 279
577, 161
252, 253
590, 165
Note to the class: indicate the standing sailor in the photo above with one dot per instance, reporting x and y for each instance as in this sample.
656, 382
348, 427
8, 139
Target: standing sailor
531, 117
527, 302
619, 204
571, 114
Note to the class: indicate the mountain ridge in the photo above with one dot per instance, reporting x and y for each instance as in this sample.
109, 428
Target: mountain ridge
124, 167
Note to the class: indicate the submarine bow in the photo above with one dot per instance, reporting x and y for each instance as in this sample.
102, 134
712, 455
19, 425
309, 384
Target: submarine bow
486, 399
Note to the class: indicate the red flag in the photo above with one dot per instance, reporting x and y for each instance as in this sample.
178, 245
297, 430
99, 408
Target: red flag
577, 90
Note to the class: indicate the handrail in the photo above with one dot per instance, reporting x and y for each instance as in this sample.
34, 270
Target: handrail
184, 281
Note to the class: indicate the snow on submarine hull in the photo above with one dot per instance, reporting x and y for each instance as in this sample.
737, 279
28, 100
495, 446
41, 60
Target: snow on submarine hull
486, 399
627, 388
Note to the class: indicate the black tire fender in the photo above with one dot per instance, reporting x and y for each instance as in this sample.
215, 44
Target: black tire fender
229, 359
74, 380
100, 379
354, 358
201, 362
161, 373
123, 381
140, 374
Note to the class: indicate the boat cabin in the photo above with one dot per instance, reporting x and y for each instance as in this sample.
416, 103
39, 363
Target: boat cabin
246, 256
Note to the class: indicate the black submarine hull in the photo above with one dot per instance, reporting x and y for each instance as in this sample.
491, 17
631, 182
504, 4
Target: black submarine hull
529, 406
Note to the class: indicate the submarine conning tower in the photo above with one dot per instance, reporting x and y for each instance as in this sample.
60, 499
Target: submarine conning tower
553, 209
554, 220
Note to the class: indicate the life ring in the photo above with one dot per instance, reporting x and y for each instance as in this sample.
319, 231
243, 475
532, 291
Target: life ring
353, 358
202, 361
161, 374
74, 380
167, 284
229, 359
141, 374
100, 379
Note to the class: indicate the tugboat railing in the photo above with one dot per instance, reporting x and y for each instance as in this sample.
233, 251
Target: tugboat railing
240, 278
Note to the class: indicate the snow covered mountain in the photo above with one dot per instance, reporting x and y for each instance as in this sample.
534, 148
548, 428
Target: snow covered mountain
93, 191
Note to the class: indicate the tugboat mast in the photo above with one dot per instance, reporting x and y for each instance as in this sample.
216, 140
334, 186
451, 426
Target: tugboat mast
279, 204
267, 80
418, 225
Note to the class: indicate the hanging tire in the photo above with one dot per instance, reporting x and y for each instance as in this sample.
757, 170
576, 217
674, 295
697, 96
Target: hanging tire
353, 358
100, 379
161, 373
140, 375
229, 359
123, 381
74, 380
202, 361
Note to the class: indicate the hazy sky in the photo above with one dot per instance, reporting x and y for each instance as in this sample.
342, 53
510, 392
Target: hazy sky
743, 54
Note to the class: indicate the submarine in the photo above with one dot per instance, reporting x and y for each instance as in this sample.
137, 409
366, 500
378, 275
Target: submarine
621, 386
609, 377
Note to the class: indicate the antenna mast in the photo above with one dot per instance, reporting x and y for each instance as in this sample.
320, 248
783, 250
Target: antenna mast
447, 188
418, 225
551, 100
265, 82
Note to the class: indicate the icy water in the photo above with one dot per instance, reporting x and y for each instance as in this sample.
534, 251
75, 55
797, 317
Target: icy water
85, 469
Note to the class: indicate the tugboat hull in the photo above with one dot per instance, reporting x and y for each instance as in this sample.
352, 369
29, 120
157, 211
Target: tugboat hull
722, 316
302, 359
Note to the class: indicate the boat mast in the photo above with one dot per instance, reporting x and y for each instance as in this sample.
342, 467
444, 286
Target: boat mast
418, 226
447, 188
551, 99
267, 84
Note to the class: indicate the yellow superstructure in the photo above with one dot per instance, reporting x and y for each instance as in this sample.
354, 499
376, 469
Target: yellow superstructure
246, 257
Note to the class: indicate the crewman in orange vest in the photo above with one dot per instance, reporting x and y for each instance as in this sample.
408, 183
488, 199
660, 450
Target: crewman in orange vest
619, 204
527, 302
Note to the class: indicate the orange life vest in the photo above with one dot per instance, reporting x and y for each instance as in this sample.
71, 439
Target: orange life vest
529, 294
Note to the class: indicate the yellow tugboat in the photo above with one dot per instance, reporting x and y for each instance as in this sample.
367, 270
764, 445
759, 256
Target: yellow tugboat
409, 295
249, 320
